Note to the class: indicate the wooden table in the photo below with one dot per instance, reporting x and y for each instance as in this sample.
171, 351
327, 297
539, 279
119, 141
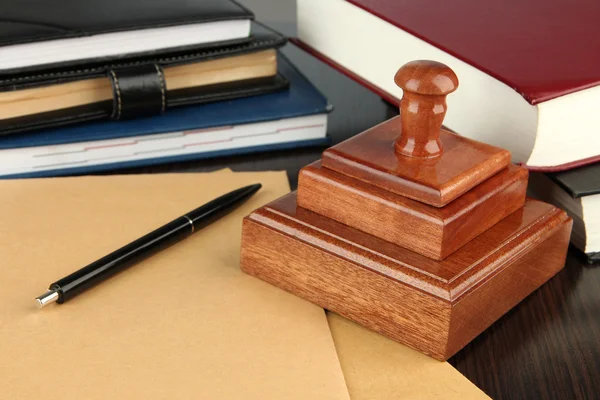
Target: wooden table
548, 347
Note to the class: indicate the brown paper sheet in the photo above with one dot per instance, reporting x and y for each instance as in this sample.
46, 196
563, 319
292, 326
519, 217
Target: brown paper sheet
185, 324
378, 368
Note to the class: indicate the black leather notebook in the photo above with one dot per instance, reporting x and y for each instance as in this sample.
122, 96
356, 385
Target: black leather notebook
68, 61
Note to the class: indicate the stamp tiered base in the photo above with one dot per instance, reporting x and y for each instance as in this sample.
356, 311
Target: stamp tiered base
423, 228
410, 230
436, 307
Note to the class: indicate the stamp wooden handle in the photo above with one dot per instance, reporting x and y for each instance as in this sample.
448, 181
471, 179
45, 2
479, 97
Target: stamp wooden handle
423, 106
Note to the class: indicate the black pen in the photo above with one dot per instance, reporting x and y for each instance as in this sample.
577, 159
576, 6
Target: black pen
163, 237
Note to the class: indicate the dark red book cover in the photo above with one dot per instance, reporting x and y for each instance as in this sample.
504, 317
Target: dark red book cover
542, 48
395, 101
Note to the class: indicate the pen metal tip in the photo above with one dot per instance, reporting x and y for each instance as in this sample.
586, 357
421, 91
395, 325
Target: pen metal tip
51, 296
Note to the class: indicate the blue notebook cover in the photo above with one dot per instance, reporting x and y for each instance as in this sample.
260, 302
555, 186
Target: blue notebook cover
301, 99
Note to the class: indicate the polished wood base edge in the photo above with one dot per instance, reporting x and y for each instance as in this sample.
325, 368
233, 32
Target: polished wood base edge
391, 217
370, 299
370, 157
480, 308
403, 313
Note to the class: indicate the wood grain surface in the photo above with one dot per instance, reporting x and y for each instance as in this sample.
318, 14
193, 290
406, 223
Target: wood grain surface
392, 217
434, 307
424, 85
370, 157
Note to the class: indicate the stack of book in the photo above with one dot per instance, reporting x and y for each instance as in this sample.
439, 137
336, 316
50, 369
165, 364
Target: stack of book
577, 191
152, 82
530, 79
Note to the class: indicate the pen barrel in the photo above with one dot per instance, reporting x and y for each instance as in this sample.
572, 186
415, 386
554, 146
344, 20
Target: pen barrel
122, 258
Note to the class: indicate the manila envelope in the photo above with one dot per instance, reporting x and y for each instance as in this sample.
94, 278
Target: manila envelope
183, 324
376, 367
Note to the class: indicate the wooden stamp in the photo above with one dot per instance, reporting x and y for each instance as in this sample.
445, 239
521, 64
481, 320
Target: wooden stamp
410, 230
